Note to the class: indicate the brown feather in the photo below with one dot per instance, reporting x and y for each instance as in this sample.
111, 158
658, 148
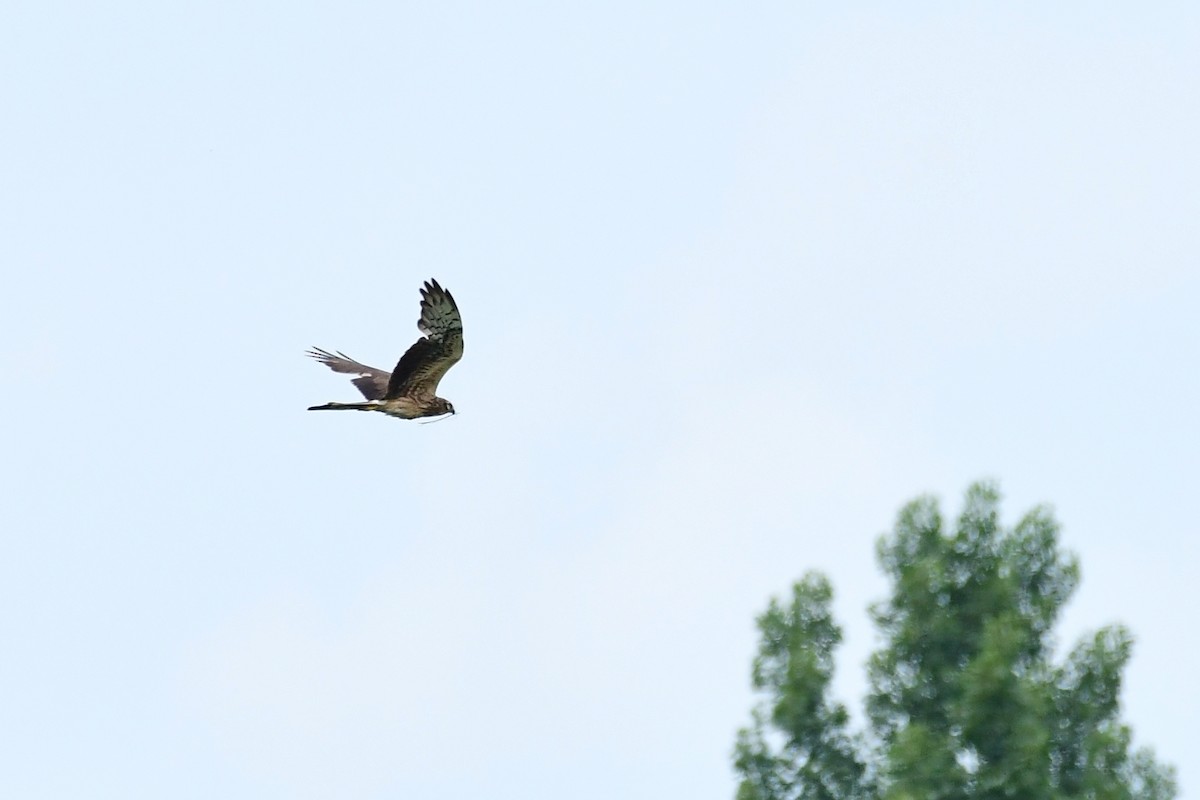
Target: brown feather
421, 368
423, 365
373, 383
410, 390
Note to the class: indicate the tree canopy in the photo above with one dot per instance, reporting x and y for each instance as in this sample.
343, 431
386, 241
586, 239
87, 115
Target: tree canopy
965, 698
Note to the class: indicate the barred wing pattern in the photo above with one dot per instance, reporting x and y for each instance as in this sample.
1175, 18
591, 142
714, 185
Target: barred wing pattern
422, 367
409, 391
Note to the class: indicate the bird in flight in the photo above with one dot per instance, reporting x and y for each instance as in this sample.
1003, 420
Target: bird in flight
408, 391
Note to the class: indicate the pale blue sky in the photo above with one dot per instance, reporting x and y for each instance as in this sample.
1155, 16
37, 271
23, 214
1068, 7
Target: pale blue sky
738, 281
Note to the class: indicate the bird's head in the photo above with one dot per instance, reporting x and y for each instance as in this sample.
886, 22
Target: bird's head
440, 406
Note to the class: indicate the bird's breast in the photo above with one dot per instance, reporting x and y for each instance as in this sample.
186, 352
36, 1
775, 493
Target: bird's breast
402, 407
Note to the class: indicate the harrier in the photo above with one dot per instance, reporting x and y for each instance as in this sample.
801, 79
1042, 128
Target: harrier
409, 390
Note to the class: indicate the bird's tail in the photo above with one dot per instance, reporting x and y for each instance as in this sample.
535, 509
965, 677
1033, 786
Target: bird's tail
345, 407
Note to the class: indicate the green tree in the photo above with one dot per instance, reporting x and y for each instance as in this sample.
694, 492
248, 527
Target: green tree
965, 701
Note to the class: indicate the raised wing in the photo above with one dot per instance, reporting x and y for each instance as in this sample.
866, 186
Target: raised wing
439, 312
421, 368
373, 383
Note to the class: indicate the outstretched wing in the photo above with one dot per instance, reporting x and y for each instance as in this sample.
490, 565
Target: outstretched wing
373, 383
421, 368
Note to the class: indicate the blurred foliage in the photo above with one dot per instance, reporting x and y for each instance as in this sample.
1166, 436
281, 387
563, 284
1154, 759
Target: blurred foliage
965, 700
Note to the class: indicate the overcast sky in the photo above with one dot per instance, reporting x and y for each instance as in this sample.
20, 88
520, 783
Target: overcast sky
738, 281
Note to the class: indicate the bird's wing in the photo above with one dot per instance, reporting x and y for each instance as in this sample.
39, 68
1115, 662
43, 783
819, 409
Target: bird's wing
421, 368
439, 312
373, 383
